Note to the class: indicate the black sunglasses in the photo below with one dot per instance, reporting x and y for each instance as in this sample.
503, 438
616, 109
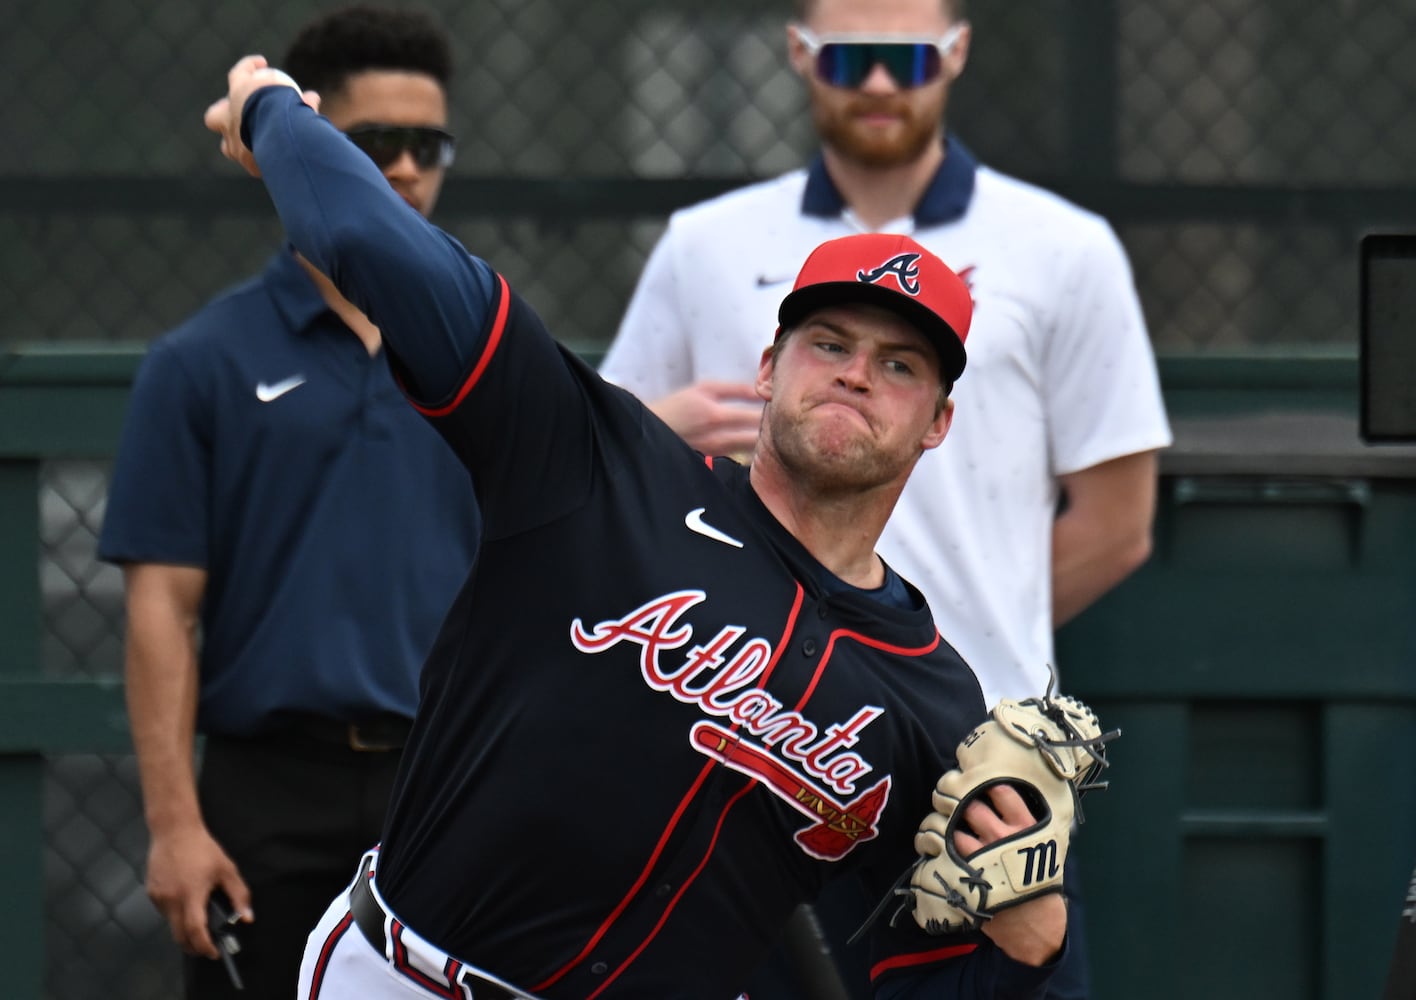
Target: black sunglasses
384, 144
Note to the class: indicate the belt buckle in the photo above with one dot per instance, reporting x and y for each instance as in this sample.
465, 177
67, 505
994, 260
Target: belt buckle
358, 742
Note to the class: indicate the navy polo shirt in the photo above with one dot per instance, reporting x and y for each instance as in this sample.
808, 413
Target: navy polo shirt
265, 445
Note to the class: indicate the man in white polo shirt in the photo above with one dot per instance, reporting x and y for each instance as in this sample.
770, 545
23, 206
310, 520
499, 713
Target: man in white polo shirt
1062, 406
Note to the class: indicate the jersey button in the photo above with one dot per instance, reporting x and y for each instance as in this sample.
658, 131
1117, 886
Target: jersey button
599, 968
664, 889
809, 647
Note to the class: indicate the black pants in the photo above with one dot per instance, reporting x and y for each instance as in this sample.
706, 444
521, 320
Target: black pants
295, 813
840, 911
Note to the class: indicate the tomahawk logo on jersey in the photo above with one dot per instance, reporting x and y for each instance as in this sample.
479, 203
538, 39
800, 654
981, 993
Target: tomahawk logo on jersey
793, 757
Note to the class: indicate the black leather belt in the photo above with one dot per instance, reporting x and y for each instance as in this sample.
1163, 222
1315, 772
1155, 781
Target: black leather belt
381, 733
369, 918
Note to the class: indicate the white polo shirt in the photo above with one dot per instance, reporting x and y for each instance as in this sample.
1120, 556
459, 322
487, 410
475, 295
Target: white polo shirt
1060, 377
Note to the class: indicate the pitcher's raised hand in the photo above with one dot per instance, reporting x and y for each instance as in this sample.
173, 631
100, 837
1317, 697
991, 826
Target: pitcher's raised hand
223, 117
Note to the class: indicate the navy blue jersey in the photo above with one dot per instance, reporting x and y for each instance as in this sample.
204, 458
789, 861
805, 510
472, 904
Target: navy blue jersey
647, 731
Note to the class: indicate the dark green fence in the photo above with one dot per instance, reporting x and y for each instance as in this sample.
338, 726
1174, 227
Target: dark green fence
55, 404
1261, 826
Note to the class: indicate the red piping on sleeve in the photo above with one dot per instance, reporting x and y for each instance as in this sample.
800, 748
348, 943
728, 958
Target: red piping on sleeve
920, 958
493, 339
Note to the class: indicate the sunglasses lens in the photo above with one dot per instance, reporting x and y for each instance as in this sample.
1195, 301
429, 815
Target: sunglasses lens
848, 64
427, 147
430, 147
375, 147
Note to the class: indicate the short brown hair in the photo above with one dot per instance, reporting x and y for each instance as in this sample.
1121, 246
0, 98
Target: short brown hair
954, 8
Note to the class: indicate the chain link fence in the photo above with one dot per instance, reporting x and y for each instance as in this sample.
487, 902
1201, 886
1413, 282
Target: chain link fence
1239, 147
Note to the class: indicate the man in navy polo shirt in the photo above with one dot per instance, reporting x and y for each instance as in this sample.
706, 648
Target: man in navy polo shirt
291, 534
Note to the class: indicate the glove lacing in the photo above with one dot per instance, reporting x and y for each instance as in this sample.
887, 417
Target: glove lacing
1095, 746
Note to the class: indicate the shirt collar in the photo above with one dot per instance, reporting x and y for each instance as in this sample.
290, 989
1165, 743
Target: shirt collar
295, 296
946, 199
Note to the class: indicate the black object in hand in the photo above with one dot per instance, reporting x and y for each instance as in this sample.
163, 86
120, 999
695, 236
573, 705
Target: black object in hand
221, 922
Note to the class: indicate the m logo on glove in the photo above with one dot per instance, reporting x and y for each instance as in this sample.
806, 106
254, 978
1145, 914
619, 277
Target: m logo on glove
1045, 856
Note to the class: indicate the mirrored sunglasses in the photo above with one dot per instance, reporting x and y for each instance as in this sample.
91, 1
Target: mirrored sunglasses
384, 144
847, 60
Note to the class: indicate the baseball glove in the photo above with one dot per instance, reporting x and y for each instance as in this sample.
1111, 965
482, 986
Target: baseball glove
1050, 750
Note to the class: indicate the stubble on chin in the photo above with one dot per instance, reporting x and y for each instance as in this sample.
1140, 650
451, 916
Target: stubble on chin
827, 459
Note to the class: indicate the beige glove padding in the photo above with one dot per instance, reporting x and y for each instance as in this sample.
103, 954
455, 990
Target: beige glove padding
1049, 750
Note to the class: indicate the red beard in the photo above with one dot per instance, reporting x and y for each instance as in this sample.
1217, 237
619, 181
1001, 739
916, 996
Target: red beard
840, 127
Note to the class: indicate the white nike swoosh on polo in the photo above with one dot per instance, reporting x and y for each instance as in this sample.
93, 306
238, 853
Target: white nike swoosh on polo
695, 523
267, 392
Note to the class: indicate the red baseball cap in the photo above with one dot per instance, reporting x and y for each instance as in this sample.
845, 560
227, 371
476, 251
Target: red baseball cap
891, 271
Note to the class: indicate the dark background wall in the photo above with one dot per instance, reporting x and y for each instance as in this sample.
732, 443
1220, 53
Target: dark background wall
1239, 146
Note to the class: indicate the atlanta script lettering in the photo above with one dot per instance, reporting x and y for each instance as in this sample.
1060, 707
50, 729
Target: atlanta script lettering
810, 767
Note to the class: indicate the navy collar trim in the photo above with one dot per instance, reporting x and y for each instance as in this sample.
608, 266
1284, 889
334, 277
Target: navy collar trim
945, 200
295, 296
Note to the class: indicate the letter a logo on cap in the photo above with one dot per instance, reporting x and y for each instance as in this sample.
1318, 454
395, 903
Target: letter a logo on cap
925, 292
905, 268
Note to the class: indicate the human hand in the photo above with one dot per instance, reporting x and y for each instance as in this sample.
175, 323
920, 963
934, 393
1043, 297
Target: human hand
183, 870
223, 116
996, 815
717, 418
1031, 932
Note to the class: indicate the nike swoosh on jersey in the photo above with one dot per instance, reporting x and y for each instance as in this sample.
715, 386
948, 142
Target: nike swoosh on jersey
695, 522
768, 280
268, 392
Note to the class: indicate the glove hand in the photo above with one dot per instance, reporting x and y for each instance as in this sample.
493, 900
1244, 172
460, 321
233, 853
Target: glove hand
1001, 825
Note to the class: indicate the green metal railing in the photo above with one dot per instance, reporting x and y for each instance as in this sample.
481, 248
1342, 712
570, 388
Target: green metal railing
53, 403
